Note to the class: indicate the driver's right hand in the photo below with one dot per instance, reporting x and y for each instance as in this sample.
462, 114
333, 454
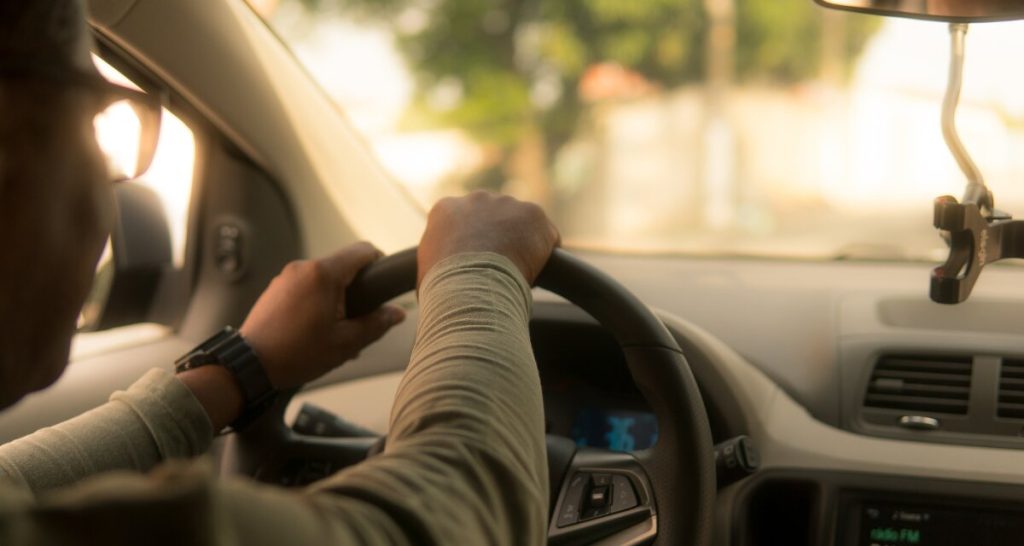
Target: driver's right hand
488, 222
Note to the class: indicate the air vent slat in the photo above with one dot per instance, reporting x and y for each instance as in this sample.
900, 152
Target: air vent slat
928, 377
1011, 389
939, 366
941, 391
1012, 411
1012, 383
1013, 369
922, 403
1011, 397
921, 384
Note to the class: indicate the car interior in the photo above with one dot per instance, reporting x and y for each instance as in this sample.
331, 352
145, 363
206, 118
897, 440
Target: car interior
709, 392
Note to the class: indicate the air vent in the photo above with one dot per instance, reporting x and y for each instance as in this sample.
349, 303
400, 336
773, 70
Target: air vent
932, 384
1011, 389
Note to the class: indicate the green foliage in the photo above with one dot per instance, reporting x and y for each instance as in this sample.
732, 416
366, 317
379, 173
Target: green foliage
496, 109
657, 38
781, 40
499, 52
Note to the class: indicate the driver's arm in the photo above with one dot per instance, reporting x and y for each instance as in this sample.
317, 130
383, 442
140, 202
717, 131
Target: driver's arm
164, 417
465, 461
464, 464
154, 420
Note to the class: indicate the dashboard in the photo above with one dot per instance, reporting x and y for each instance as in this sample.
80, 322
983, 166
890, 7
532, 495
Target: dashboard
795, 379
783, 378
854, 509
589, 396
833, 470
780, 351
874, 520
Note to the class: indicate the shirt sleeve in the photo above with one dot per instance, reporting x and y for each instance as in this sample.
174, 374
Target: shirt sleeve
465, 460
155, 420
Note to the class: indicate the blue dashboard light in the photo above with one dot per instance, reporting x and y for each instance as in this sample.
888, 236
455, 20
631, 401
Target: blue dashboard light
617, 430
619, 436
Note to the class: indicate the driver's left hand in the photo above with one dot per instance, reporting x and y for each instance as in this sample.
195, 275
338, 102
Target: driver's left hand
298, 327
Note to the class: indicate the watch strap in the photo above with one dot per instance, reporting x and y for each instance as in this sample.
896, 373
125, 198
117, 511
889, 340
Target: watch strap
229, 349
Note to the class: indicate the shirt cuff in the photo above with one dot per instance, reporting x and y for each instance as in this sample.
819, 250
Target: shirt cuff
175, 418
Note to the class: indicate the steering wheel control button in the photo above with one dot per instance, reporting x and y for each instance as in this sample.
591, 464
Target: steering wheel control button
623, 496
598, 497
735, 459
572, 502
595, 512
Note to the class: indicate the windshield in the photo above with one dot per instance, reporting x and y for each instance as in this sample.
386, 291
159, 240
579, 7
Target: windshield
712, 127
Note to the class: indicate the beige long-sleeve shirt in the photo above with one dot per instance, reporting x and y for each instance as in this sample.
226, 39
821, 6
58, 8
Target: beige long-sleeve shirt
464, 462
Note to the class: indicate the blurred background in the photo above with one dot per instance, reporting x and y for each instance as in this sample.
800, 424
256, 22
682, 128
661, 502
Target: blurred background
723, 127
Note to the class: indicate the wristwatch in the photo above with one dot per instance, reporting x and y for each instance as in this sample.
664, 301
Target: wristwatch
229, 349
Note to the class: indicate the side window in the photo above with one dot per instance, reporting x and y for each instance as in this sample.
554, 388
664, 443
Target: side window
166, 189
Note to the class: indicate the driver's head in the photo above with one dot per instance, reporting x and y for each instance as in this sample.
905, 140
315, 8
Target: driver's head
56, 200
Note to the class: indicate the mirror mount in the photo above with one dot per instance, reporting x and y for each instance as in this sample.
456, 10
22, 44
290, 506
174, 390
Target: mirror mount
976, 191
977, 233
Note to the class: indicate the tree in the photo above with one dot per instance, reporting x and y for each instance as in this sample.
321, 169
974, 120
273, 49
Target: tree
507, 71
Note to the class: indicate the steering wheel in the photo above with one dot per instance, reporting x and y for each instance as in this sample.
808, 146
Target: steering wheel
665, 493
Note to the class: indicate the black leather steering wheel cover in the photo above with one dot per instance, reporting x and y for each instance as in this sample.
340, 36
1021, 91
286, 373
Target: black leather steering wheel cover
681, 464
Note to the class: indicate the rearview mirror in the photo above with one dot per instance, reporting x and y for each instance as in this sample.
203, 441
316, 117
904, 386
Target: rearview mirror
125, 287
952, 11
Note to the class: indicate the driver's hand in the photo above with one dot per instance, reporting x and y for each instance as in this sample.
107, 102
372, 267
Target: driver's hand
298, 326
487, 222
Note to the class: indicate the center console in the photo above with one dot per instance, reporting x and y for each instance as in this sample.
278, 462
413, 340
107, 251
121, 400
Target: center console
811, 508
896, 520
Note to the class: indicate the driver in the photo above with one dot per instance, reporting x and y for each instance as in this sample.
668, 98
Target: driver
465, 458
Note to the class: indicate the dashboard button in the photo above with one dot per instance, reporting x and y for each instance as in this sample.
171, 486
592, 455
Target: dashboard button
623, 496
571, 503
596, 512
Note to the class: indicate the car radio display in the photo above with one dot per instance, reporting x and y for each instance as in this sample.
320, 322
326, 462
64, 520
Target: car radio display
889, 524
617, 430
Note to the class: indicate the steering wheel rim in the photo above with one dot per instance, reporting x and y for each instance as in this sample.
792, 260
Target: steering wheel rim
679, 468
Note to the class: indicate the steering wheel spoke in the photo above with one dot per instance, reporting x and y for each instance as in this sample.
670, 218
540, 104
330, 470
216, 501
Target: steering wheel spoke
606, 496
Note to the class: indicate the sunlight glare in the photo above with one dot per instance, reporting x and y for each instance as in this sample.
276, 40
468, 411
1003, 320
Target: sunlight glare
171, 173
117, 132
